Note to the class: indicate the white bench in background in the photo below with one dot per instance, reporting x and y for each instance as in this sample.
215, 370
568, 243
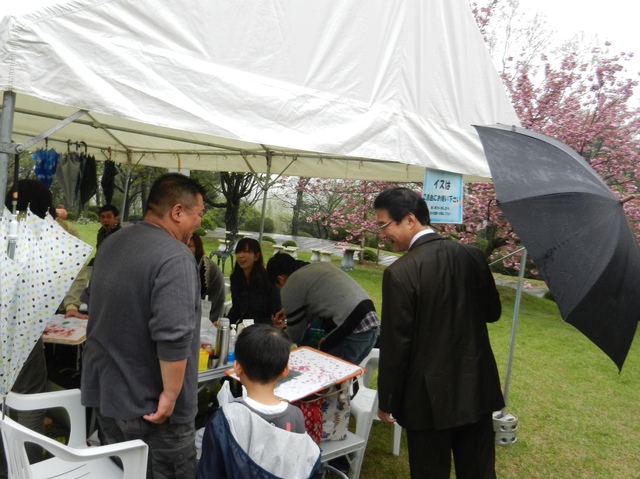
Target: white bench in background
325, 256
347, 258
315, 255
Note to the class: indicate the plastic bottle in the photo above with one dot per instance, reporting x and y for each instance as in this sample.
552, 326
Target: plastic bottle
247, 322
222, 341
231, 354
205, 308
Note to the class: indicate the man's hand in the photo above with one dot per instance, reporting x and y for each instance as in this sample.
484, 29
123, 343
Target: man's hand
164, 412
386, 417
172, 378
279, 319
75, 314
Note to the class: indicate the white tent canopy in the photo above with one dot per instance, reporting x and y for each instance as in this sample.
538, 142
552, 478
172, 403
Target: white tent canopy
358, 89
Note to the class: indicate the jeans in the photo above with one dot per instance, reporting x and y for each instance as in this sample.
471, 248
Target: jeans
355, 347
172, 450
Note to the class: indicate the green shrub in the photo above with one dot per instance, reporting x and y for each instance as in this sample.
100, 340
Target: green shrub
200, 231
290, 243
305, 234
83, 220
370, 255
253, 224
268, 239
338, 234
373, 241
72, 216
92, 216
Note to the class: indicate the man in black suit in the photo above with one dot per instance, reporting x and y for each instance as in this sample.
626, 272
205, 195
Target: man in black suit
437, 375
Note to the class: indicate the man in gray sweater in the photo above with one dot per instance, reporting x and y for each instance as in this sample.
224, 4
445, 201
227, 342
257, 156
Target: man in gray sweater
140, 365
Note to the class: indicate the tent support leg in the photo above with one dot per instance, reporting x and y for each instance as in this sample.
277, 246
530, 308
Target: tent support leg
265, 189
126, 187
514, 324
506, 425
6, 127
267, 181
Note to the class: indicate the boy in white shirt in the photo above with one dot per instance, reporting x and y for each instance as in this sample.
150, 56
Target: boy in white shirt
262, 357
260, 432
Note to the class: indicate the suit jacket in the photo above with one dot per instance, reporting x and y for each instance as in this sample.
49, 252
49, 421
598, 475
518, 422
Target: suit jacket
437, 369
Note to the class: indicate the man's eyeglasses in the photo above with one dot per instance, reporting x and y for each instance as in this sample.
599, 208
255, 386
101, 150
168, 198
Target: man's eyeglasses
382, 227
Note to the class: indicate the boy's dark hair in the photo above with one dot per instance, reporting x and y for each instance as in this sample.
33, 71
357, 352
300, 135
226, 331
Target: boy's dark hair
111, 208
171, 189
399, 202
263, 352
34, 195
282, 264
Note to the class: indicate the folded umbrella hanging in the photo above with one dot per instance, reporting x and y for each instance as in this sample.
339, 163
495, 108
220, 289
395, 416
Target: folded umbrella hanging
575, 230
68, 175
108, 181
89, 181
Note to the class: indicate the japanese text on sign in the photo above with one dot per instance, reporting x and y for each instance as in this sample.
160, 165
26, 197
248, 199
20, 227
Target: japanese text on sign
442, 191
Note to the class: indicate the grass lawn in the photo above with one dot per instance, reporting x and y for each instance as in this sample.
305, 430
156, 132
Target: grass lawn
578, 417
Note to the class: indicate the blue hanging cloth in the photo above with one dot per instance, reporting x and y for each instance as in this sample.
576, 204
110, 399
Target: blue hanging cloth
46, 163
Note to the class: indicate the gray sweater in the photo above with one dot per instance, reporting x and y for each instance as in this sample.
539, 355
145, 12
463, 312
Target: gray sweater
144, 306
320, 291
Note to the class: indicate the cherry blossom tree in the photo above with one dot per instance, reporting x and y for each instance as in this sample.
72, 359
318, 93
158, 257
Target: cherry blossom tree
583, 98
313, 200
353, 219
337, 209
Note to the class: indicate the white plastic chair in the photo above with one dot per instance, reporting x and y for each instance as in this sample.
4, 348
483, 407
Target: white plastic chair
370, 363
364, 408
74, 460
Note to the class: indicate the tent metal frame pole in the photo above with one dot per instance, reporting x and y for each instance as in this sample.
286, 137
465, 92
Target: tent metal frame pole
94, 123
514, 326
220, 149
110, 133
267, 181
6, 147
123, 211
45, 134
265, 189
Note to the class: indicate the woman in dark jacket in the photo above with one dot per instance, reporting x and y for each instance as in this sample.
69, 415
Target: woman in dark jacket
252, 295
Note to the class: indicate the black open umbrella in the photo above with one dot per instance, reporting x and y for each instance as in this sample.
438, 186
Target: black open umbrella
575, 230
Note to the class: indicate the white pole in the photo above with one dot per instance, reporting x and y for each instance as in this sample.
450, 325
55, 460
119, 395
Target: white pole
6, 129
514, 326
265, 189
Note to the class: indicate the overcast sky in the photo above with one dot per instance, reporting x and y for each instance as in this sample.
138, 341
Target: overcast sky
613, 20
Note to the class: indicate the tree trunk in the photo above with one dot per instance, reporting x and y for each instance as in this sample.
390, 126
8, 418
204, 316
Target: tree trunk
235, 186
298, 206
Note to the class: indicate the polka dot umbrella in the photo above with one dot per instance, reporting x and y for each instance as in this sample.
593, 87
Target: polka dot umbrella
32, 285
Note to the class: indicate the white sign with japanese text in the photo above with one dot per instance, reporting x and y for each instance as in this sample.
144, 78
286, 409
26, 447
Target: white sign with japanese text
442, 191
